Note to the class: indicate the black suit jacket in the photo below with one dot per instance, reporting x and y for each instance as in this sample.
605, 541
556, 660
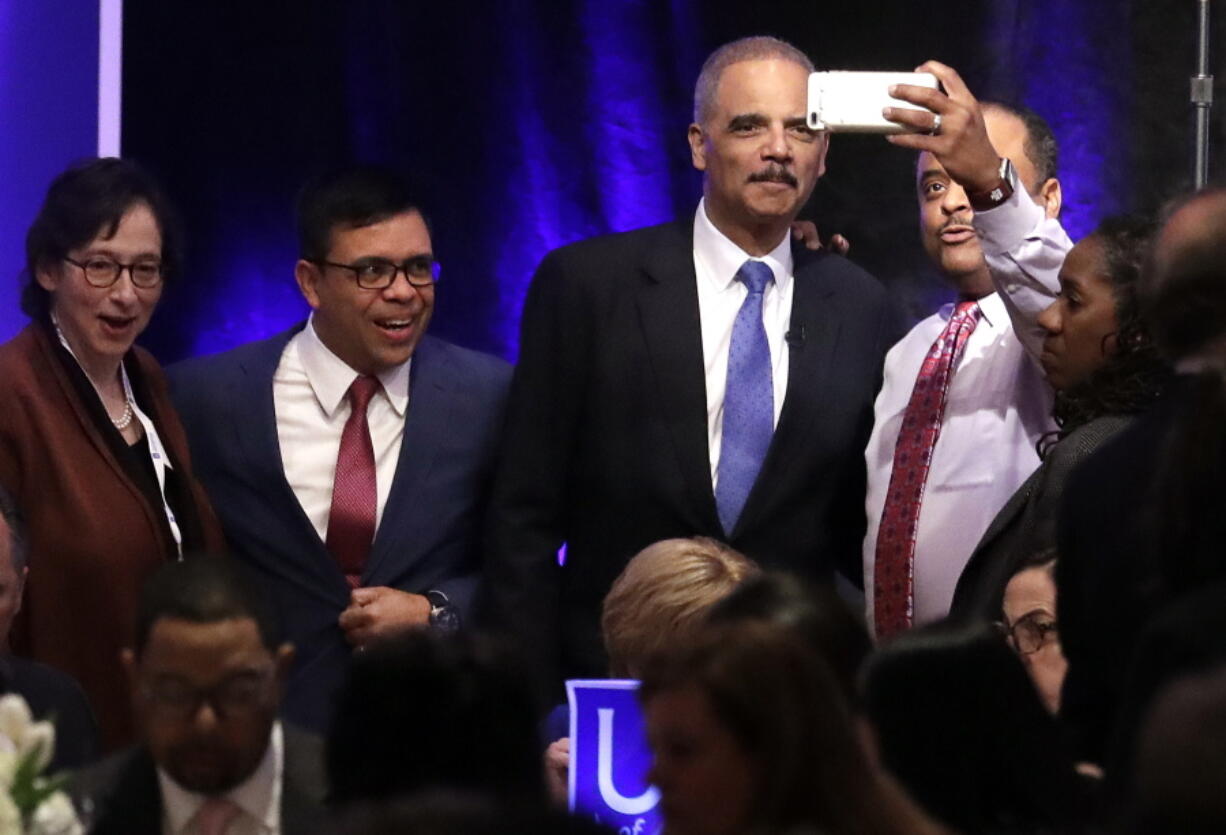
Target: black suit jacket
606, 440
121, 794
54, 696
1026, 525
429, 536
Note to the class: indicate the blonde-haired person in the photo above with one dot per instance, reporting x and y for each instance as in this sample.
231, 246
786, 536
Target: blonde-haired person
661, 597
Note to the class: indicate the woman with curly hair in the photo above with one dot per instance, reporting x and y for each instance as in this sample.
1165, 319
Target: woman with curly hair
1098, 356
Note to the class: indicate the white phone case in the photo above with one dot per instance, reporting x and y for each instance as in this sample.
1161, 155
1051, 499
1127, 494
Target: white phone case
851, 102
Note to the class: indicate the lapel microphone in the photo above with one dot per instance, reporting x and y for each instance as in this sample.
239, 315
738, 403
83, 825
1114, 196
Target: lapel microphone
795, 337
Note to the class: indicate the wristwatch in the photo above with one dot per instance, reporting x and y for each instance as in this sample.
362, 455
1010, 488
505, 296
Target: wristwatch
444, 615
981, 201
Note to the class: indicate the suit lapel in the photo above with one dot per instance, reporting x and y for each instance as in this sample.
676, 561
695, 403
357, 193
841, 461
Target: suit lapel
668, 312
254, 433
811, 359
132, 805
1005, 518
425, 425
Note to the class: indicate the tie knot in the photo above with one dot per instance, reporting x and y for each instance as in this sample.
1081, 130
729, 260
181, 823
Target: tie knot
755, 275
966, 309
361, 390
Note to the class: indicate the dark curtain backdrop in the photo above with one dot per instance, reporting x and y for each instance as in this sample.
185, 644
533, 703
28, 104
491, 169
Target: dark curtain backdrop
532, 124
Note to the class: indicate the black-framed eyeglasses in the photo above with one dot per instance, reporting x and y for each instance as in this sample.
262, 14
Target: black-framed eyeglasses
380, 273
103, 272
238, 696
1031, 632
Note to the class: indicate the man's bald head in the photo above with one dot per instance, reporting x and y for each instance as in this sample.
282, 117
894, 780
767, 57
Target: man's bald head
1183, 293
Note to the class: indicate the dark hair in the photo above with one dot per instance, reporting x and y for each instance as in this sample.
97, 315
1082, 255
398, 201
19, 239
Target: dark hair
84, 202
1135, 374
816, 613
351, 197
202, 589
18, 536
1040, 145
960, 724
1041, 558
425, 710
781, 704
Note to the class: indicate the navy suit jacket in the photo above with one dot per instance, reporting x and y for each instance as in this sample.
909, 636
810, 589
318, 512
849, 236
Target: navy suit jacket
429, 536
606, 445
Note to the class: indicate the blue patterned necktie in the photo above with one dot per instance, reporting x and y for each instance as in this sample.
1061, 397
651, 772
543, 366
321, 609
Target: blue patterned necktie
749, 401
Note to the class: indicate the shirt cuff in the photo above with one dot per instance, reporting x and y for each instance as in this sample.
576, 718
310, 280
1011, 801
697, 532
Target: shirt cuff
1006, 226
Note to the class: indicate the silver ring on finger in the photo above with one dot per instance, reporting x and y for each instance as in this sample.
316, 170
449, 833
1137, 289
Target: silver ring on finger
936, 124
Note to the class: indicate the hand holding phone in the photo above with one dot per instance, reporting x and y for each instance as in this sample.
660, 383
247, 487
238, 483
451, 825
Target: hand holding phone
961, 142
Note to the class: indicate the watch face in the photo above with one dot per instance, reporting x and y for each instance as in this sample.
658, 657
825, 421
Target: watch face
445, 618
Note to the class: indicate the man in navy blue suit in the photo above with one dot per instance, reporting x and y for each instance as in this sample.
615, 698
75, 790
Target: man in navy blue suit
355, 528
699, 378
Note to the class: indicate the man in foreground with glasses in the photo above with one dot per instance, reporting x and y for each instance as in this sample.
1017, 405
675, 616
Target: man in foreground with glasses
206, 674
348, 458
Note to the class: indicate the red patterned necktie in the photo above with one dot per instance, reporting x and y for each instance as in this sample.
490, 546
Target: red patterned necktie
351, 522
893, 569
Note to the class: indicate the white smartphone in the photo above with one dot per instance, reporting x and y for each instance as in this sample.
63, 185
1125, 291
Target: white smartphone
851, 102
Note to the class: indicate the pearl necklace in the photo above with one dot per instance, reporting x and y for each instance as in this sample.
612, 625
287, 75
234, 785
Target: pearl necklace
126, 418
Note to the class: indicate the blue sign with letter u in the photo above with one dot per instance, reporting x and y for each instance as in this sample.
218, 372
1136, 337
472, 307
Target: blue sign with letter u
609, 757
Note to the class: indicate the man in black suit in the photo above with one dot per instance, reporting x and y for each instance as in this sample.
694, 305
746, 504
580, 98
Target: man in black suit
207, 673
50, 694
625, 403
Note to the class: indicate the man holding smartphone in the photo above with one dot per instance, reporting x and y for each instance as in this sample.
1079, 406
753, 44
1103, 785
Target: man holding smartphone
962, 404
699, 378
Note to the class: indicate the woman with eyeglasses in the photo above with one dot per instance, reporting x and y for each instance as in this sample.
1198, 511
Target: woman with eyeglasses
89, 443
1028, 620
1099, 357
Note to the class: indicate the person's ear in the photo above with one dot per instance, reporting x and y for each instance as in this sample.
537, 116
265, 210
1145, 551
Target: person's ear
283, 661
698, 146
47, 278
821, 160
1050, 197
308, 276
127, 660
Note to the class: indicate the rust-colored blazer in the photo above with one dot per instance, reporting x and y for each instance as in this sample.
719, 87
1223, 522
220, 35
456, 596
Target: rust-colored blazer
94, 536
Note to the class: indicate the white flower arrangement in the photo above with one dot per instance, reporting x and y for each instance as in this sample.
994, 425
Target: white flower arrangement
30, 804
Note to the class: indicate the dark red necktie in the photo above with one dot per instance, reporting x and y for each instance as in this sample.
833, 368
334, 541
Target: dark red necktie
893, 569
351, 523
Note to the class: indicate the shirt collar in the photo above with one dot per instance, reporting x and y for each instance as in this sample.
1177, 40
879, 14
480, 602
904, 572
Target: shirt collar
259, 796
330, 377
991, 310
722, 258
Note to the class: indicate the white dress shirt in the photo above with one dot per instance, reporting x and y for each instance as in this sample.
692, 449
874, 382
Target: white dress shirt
258, 797
997, 407
310, 395
720, 295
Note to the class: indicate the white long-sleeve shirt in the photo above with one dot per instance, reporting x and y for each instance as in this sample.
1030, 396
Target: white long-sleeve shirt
997, 407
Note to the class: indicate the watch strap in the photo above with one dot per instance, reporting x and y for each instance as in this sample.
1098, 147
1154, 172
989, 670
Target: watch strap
982, 201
